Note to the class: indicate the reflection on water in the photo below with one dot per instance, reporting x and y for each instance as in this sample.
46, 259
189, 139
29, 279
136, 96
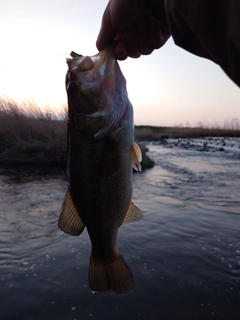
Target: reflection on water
184, 254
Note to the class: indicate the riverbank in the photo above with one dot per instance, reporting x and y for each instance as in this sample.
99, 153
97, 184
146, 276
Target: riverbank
212, 144
27, 135
147, 133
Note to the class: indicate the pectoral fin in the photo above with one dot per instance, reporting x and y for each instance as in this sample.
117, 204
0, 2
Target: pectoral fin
69, 220
133, 214
136, 156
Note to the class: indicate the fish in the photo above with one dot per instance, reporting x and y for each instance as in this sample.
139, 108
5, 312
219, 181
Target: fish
101, 153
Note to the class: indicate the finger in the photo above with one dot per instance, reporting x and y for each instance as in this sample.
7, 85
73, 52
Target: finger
157, 35
121, 51
144, 44
130, 41
107, 31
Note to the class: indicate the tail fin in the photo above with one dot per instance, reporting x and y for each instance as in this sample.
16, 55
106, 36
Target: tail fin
114, 275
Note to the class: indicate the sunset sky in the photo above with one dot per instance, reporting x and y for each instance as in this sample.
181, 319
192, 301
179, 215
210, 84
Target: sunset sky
169, 87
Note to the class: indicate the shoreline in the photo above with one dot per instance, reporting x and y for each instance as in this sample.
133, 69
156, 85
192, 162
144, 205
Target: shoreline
146, 133
26, 166
40, 163
29, 136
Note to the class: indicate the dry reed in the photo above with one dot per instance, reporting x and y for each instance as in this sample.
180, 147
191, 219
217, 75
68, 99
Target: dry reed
147, 133
27, 135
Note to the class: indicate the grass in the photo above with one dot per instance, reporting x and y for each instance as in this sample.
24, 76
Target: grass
27, 135
147, 133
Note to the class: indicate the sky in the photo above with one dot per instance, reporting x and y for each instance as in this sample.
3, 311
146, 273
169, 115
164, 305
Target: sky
169, 87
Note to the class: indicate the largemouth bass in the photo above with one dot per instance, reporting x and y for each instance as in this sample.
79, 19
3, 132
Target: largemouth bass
101, 154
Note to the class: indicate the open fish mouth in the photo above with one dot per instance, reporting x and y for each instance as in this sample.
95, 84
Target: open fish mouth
97, 93
90, 71
80, 63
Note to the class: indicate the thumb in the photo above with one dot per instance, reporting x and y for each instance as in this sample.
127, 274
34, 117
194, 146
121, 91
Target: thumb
107, 31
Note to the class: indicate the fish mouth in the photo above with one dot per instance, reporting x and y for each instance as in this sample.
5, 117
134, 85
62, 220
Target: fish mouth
89, 70
97, 96
83, 64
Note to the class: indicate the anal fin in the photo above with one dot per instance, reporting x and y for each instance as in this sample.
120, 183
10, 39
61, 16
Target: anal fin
69, 220
133, 214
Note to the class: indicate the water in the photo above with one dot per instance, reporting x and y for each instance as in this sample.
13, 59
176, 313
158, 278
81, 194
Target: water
184, 254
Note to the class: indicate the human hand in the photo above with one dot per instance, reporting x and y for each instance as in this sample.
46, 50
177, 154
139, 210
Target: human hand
138, 26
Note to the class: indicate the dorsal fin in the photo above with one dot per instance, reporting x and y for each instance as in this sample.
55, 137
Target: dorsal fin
136, 156
69, 220
133, 214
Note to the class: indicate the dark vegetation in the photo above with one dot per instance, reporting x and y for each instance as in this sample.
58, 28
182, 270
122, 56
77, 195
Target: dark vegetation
158, 133
27, 135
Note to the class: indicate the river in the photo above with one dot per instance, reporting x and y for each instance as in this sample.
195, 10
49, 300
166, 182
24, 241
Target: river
184, 254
